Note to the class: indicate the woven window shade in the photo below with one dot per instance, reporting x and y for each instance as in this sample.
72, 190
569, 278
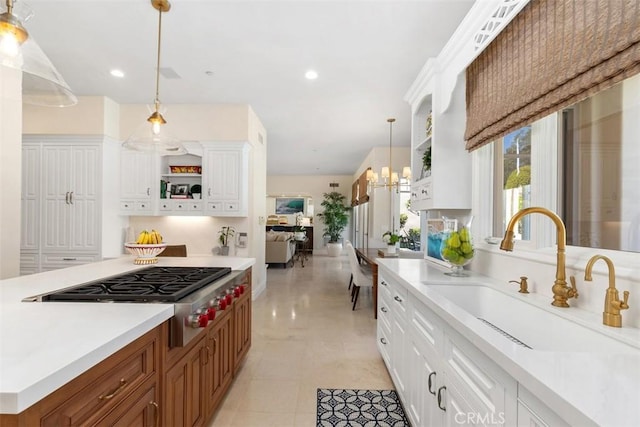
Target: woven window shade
552, 55
354, 193
363, 197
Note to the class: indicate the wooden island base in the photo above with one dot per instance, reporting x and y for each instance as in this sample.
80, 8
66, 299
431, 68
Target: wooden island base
147, 383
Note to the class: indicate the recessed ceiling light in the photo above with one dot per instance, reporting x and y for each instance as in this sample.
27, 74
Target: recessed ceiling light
117, 73
311, 75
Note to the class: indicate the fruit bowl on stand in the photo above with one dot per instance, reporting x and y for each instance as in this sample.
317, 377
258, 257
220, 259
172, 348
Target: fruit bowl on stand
145, 253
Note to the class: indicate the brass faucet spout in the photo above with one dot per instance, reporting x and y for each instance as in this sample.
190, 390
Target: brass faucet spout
561, 292
612, 271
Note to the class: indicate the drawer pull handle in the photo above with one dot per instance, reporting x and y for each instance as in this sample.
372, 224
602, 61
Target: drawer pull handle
440, 390
148, 191
71, 198
384, 309
66, 198
383, 341
430, 382
206, 362
397, 298
156, 414
383, 283
69, 259
111, 395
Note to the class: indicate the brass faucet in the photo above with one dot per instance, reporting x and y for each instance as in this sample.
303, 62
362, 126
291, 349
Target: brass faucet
612, 304
561, 292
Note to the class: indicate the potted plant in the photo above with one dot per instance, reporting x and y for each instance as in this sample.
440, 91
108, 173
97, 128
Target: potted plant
391, 240
426, 163
335, 219
224, 234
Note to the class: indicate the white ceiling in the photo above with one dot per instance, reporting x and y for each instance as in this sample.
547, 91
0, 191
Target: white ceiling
367, 54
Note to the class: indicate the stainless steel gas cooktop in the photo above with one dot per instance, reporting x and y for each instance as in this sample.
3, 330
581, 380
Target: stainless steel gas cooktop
151, 284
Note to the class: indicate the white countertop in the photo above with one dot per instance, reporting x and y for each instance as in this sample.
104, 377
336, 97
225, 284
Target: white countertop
44, 345
584, 388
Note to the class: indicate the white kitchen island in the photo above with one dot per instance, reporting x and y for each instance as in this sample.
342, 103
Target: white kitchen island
449, 366
44, 345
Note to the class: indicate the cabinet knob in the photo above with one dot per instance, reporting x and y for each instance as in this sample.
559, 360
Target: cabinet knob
383, 283
384, 309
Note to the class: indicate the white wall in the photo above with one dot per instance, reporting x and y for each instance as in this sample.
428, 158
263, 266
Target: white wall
315, 187
10, 170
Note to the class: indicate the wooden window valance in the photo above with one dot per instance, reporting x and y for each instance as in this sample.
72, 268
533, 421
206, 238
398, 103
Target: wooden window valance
553, 54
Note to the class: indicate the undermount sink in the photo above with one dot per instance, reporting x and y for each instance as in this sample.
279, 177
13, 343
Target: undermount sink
528, 324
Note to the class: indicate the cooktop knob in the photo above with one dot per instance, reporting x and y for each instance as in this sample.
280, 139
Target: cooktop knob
198, 320
211, 313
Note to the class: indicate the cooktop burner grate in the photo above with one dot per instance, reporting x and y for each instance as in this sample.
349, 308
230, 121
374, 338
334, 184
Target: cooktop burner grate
151, 284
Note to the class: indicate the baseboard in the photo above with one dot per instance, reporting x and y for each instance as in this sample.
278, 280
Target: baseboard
260, 287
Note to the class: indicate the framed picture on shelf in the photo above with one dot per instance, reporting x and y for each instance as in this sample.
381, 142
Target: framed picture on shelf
180, 189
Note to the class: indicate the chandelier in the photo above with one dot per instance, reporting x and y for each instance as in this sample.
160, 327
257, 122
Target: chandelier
388, 178
152, 136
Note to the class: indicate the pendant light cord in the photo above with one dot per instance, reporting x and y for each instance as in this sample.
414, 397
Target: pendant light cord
157, 100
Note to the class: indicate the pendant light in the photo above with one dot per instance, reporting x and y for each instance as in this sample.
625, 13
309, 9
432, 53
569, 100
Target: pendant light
42, 84
152, 136
390, 179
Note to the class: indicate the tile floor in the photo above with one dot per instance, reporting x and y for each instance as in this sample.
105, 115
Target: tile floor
305, 336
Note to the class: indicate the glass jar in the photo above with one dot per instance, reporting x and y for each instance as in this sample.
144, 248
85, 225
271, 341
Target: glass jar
457, 245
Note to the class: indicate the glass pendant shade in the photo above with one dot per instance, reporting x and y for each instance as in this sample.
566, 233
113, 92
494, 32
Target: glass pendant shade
153, 136
42, 84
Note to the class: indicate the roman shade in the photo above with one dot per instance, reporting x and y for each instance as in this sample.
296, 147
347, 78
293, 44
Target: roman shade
552, 55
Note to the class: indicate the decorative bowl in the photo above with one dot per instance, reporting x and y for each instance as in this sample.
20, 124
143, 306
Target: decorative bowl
145, 254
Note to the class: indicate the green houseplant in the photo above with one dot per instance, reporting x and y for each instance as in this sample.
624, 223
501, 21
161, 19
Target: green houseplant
335, 217
391, 239
223, 237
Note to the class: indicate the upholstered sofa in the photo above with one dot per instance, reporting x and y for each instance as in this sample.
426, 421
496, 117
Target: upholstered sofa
280, 247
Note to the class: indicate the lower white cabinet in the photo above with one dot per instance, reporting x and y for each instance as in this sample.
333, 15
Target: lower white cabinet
441, 378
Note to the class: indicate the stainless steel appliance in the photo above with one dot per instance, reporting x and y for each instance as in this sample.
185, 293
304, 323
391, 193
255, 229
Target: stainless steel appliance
197, 293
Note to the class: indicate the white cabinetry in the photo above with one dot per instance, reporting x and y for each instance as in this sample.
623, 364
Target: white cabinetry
138, 182
448, 183
217, 172
226, 179
62, 200
440, 376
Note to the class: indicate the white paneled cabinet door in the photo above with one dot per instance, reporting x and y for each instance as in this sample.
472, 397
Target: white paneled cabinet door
70, 211
84, 199
30, 198
56, 187
225, 179
137, 175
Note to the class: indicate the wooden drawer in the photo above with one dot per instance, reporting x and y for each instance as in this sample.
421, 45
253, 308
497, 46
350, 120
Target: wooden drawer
142, 408
94, 394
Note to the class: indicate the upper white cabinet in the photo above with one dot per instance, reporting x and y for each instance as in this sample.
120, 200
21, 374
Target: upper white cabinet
138, 182
211, 179
226, 179
440, 135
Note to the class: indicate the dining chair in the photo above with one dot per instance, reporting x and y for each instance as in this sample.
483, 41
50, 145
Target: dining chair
360, 277
174, 250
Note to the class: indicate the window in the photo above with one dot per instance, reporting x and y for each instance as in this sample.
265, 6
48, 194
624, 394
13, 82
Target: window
513, 182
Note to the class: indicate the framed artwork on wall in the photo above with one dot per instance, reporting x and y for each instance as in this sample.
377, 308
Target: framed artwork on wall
289, 205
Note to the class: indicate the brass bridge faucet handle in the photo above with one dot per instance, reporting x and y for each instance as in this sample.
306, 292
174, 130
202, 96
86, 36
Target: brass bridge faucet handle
523, 284
622, 305
573, 292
